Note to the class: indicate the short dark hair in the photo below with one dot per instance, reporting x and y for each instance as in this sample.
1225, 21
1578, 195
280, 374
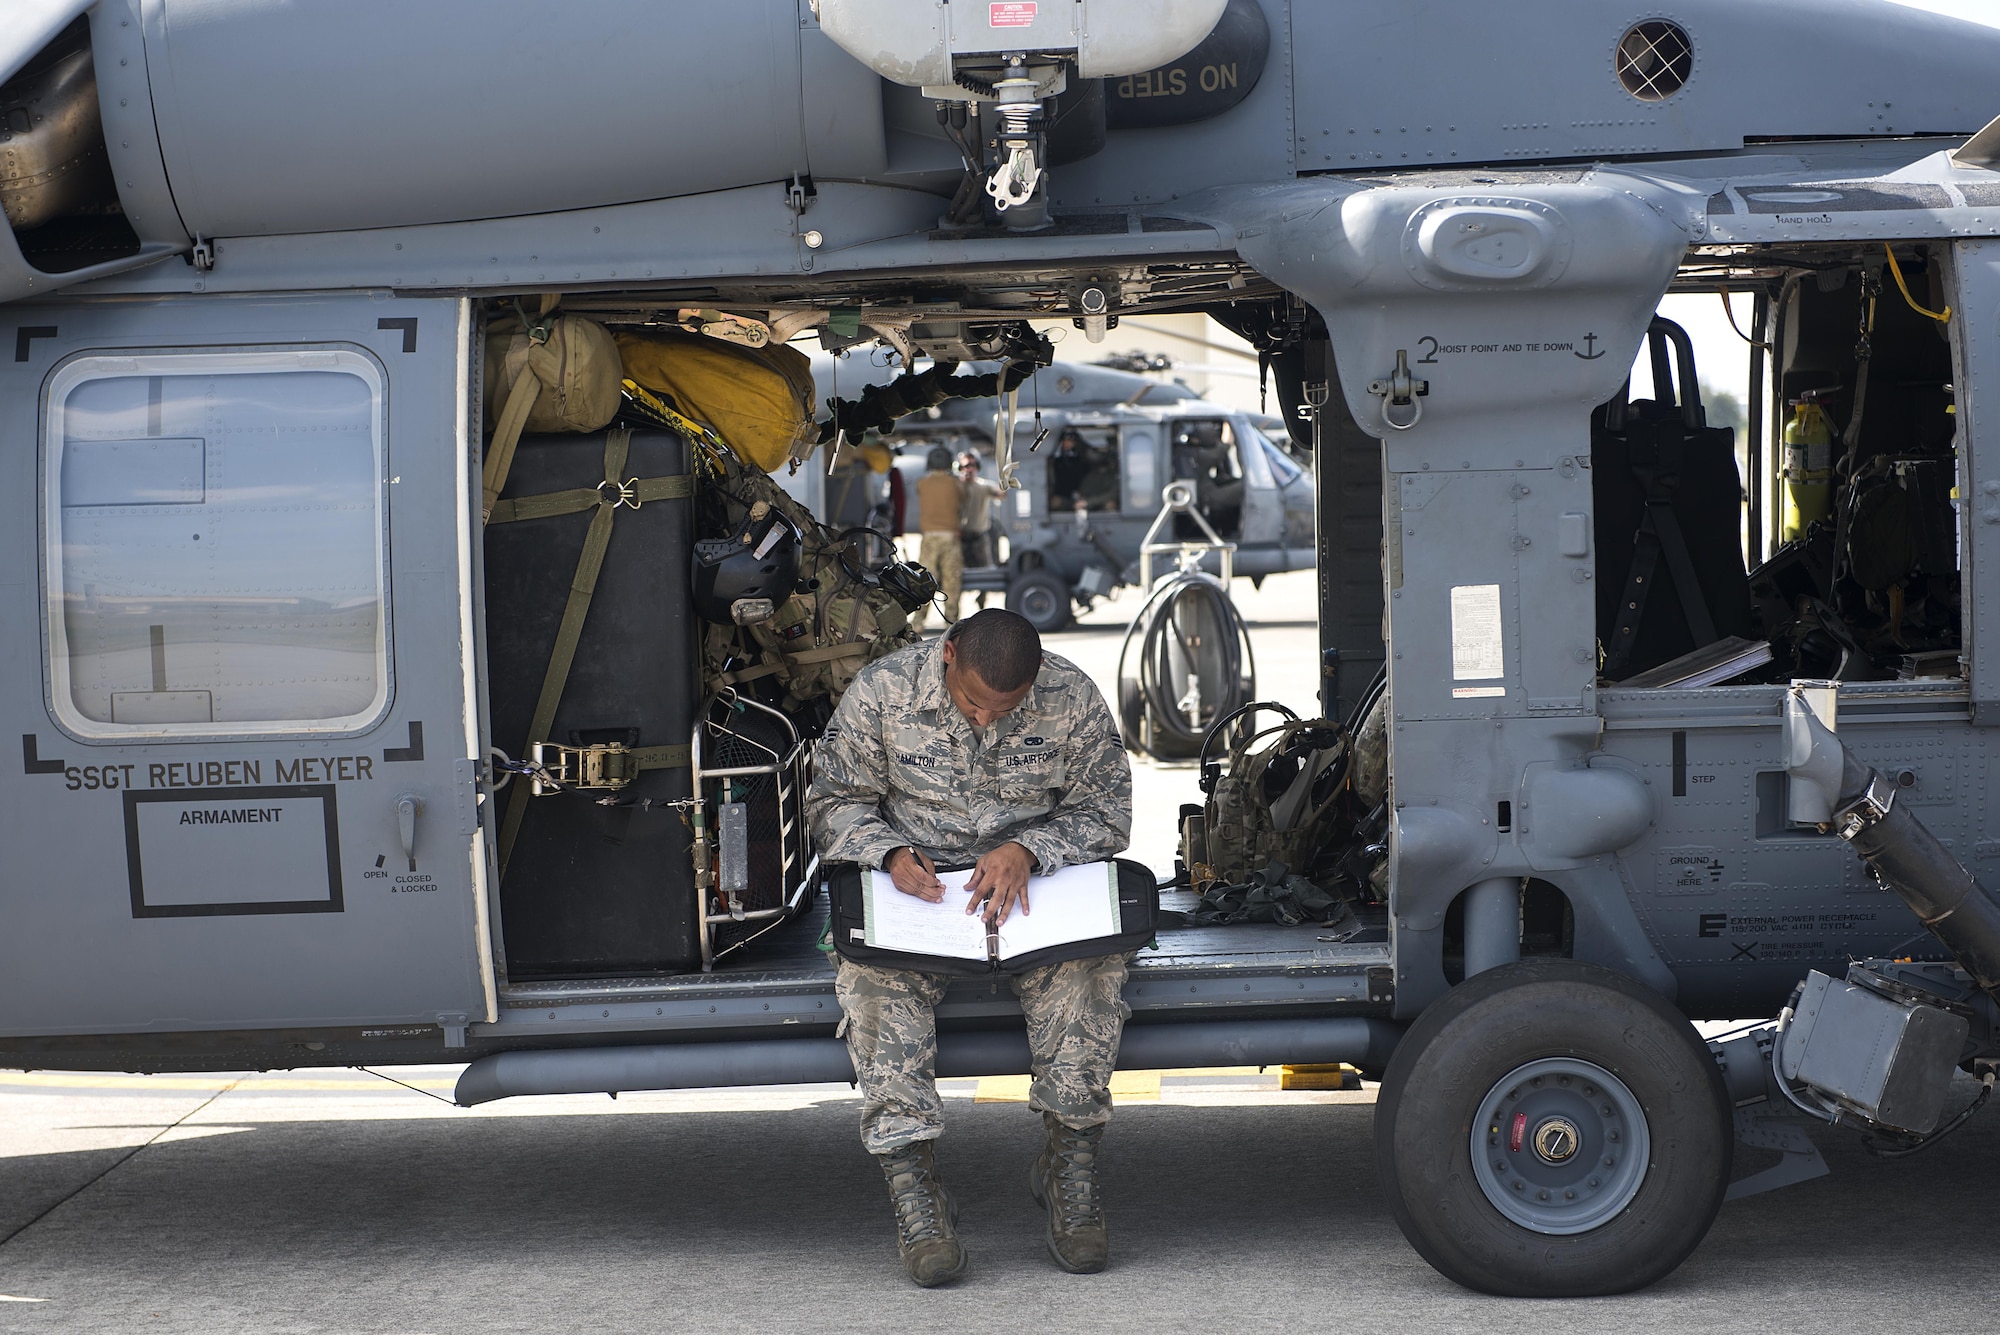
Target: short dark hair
1001, 647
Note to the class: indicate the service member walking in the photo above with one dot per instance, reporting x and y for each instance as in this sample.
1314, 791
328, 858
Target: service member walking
978, 748
940, 501
976, 521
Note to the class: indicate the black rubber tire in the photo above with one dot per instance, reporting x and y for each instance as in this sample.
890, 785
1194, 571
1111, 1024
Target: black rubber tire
1464, 1045
1131, 713
1041, 597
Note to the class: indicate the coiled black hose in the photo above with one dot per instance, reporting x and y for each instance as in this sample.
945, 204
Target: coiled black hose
1194, 665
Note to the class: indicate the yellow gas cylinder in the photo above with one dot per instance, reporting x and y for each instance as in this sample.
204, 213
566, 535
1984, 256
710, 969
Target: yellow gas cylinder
1808, 468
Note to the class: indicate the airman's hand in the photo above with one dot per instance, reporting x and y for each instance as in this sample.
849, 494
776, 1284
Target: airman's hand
914, 874
1000, 881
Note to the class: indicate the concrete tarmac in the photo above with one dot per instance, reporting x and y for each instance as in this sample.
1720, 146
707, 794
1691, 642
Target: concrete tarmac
338, 1203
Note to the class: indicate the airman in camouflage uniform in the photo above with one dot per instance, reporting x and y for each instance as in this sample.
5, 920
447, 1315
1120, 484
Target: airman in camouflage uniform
923, 755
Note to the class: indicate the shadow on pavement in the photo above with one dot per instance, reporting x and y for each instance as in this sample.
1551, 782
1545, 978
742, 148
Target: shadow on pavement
1251, 1217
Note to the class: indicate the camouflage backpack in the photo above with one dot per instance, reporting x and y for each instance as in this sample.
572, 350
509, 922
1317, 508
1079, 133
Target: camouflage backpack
842, 615
1280, 798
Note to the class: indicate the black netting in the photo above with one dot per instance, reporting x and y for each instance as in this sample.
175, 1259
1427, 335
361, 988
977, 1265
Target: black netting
750, 738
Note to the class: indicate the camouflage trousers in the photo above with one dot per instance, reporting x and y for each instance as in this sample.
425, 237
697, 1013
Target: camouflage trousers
941, 554
1076, 1012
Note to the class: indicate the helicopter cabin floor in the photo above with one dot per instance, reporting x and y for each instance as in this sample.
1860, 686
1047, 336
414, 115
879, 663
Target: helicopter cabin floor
783, 981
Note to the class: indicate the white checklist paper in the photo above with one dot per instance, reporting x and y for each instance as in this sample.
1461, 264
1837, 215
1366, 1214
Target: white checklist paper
1072, 904
896, 921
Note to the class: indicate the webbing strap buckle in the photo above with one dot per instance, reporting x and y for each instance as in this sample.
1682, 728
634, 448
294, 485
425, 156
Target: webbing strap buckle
603, 765
615, 494
537, 327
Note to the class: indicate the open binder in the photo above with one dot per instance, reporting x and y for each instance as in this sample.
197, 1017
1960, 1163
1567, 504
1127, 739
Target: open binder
1131, 907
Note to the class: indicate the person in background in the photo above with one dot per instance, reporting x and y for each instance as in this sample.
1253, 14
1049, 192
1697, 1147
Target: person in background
976, 536
1068, 464
940, 504
896, 502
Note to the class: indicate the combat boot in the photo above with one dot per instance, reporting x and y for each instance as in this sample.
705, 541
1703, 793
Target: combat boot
925, 1215
1064, 1181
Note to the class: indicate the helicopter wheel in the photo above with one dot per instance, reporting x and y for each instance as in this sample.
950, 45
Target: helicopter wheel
1553, 1129
1042, 598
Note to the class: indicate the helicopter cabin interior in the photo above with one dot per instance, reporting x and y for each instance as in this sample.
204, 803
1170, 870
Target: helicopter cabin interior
1841, 490
637, 892
1822, 542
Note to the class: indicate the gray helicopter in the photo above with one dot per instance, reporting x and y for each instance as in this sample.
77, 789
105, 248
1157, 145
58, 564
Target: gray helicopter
1093, 449
1654, 739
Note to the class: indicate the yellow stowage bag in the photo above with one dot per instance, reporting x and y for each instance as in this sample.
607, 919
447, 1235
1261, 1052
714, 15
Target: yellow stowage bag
760, 400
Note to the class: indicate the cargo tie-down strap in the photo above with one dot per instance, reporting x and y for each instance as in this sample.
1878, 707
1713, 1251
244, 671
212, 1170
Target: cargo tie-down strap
607, 498
514, 413
823, 653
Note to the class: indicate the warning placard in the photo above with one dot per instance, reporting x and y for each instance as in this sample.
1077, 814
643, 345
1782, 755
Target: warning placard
1011, 14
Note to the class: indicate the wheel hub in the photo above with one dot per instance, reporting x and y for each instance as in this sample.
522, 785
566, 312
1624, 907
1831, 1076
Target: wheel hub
1557, 1140
1560, 1145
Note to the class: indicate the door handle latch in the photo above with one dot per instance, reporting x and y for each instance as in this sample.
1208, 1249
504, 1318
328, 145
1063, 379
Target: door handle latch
407, 807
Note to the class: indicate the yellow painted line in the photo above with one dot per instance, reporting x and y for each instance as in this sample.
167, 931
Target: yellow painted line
65, 1080
1002, 1089
1136, 1086
1132, 1086
1129, 1086
159, 1082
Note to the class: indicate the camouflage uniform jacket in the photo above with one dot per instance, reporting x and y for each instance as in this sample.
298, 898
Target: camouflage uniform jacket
900, 764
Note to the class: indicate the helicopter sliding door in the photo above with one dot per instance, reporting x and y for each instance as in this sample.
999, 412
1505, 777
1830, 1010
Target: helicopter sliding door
235, 603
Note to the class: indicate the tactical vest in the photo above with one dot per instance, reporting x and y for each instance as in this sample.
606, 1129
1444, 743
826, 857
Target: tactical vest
842, 615
1281, 796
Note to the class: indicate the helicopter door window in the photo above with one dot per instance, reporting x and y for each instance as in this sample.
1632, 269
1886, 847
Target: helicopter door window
1283, 467
1253, 458
1083, 472
215, 543
1142, 480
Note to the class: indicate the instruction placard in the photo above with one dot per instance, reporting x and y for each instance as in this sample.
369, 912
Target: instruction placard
1475, 633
